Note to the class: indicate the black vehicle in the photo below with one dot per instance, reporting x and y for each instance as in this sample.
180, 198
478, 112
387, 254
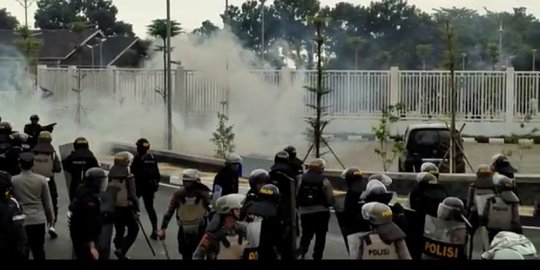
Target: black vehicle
429, 143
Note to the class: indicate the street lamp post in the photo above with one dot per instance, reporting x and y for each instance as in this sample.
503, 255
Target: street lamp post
169, 84
92, 53
533, 59
463, 60
263, 43
101, 40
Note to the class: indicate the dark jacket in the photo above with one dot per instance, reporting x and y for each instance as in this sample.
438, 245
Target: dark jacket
13, 240
33, 131
76, 164
85, 224
227, 179
146, 171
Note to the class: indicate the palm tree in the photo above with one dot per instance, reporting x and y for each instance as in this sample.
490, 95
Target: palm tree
423, 51
493, 53
158, 29
356, 43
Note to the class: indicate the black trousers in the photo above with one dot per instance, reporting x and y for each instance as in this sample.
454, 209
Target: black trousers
54, 197
148, 199
105, 237
187, 243
314, 224
36, 240
124, 218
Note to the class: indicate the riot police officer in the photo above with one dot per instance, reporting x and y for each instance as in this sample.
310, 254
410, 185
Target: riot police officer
47, 163
126, 204
85, 220
445, 236
261, 235
33, 129
13, 240
77, 163
430, 168
9, 153
424, 199
501, 212
282, 177
296, 165
384, 241
225, 235
349, 215
191, 203
257, 179
479, 192
227, 179
147, 176
501, 164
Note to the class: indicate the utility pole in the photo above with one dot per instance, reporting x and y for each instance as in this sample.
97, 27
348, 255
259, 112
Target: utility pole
501, 41
263, 43
169, 84
533, 59
26, 4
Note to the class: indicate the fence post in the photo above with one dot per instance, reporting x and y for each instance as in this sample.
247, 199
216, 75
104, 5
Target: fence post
394, 85
180, 92
111, 79
39, 76
510, 82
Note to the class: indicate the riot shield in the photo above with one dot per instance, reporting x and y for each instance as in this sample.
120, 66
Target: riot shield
339, 207
444, 239
65, 151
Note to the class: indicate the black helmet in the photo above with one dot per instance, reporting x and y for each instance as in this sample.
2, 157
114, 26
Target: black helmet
430, 168
270, 193
258, 177
450, 208
354, 179
5, 184
291, 151
34, 117
80, 143
95, 178
5, 128
281, 157
143, 143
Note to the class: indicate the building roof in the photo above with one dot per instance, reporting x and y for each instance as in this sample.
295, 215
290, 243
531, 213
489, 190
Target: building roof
112, 49
57, 44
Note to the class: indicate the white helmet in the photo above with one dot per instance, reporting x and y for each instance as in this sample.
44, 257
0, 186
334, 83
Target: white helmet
233, 159
191, 175
227, 203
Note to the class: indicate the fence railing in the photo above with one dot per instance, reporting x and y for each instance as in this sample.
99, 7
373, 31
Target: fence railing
492, 96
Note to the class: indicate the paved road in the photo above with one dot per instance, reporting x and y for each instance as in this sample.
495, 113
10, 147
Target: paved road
60, 248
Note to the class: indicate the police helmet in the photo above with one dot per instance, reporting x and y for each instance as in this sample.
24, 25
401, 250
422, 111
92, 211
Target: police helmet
225, 204
317, 164
270, 193
19, 137
143, 143
507, 254
5, 183
499, 158
502, 182
484, 170
281, 157
191, 175
95, 178
80, 142
450, 208
291, 151
430, 168
123, 158
5, 127
34, 117
233, 159
385, 179
354, 178
258, 177
425, 177
377, 213
45, 137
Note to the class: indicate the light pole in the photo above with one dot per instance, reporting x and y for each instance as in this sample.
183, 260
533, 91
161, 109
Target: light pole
263, 43
169, 84
501, 41
26, 4
533, 59
92, 51
101, 40
463, 59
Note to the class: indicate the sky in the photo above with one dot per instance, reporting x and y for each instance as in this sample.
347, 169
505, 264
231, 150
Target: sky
190, 13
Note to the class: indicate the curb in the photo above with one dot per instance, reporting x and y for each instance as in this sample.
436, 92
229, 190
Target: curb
468, 139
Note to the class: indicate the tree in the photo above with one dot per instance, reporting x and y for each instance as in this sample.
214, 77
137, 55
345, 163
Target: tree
207, 29
223, 137
387, 150
7, 21
424, 51
29, 46
356, 43
318, 122
54, 14
492, 51
158, 29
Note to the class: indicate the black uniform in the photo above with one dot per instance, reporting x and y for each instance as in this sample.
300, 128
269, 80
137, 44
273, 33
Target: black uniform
227, 179
9, 155
76, 164
85, 223
281, 176
145, 169
33, 130
13, 240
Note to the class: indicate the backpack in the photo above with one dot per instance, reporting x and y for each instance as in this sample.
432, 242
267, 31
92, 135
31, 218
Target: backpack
312, 192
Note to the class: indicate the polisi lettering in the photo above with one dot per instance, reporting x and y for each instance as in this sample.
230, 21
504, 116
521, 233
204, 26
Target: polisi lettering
386, 213
379, 252
441, 250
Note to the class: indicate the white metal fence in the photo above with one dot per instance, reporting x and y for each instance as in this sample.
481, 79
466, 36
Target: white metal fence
492, 96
